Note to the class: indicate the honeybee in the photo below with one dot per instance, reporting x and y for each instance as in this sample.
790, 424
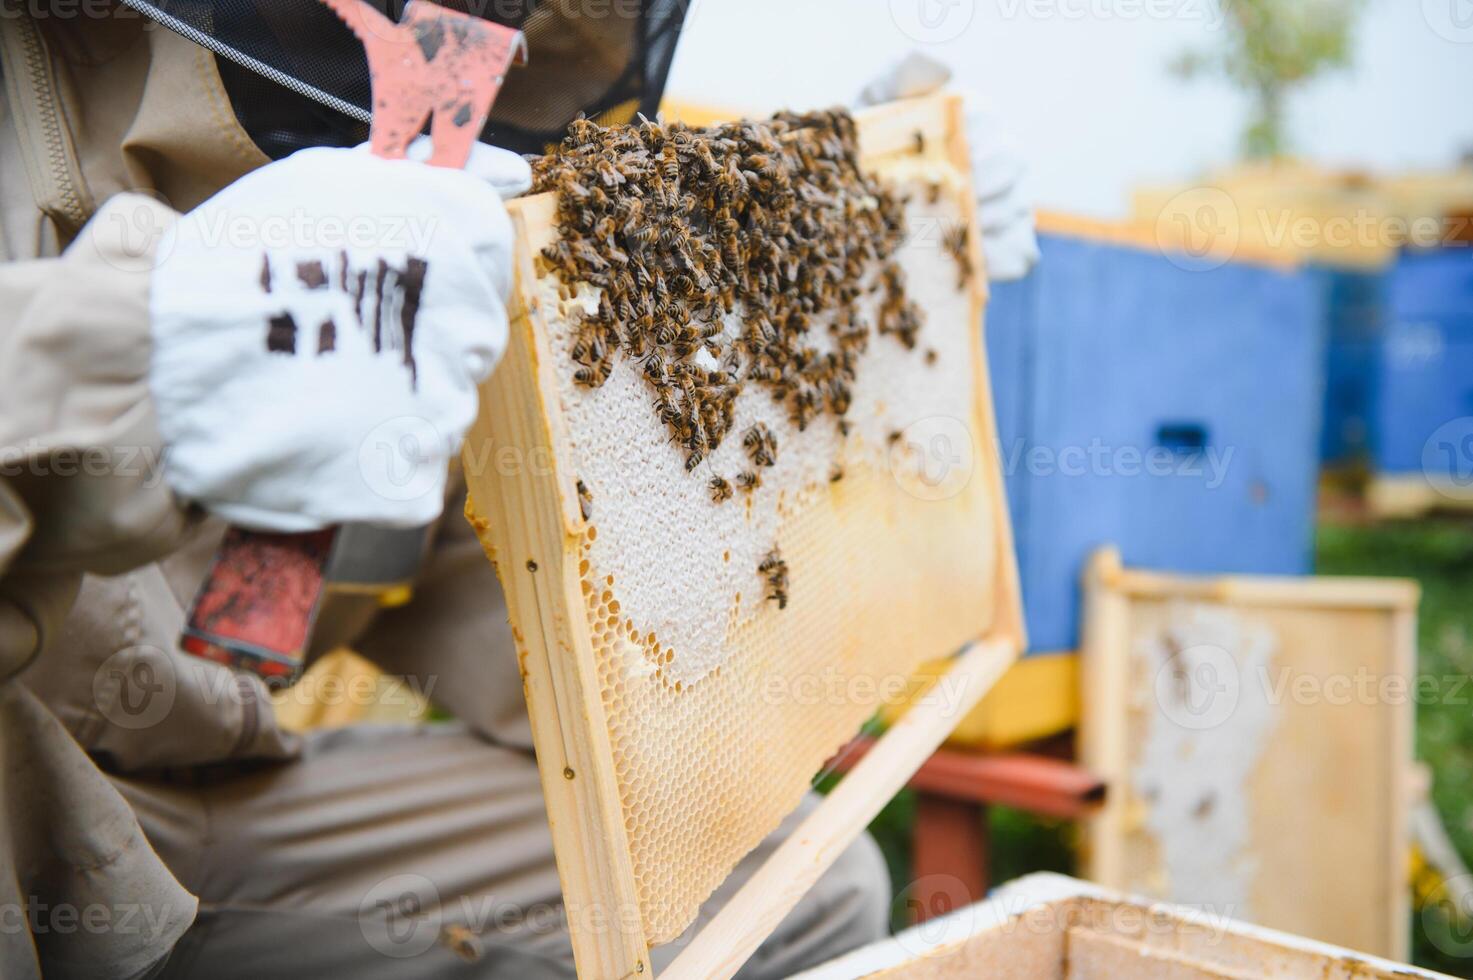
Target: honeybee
669, 413
956, 242
776, 571
749, 480
675, 237
802, 409
609, 173
659, 190
839, 397
594, 376
641, 237
585, 501
590, 350
720, 489
583, 130
635, 343
653, 132
686, 340
761, 444
627, 210
654, 368
705, 158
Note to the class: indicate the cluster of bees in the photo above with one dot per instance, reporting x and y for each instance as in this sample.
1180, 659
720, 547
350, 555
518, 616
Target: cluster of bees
719, 254
679, 227
775, 571
899, 318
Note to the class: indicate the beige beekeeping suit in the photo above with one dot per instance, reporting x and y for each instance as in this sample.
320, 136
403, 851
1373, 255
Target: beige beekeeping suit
151, 805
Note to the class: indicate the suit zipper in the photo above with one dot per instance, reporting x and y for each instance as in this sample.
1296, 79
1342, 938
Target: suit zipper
57, 191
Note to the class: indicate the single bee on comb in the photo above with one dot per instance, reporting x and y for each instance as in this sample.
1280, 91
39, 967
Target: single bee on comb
775, 570
585, 501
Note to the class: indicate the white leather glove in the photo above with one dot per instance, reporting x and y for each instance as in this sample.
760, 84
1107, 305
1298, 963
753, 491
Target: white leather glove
319, 330
1004, 213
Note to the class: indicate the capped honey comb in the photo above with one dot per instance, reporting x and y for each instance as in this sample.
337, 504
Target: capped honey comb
713, 650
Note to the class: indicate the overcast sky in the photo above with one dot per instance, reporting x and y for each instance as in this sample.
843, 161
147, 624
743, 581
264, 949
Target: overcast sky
1084, 85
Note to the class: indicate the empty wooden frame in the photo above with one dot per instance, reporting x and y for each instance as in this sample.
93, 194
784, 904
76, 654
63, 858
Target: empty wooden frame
1256, 737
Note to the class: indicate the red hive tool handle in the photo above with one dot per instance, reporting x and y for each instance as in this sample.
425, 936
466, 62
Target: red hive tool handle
258, 603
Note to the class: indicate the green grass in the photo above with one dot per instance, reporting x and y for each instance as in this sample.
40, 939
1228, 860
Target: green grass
1439, 555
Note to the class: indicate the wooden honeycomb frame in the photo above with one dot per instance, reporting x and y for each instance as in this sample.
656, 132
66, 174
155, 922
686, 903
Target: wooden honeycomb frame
531, 524
1328, 801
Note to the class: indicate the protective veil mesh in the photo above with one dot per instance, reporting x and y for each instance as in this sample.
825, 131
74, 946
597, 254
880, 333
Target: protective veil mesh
297, 77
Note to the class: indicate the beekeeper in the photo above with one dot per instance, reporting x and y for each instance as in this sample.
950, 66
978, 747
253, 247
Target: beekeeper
171, 357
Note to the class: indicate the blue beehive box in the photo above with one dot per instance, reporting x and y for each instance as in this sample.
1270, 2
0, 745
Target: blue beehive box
1355, 304
1172, 411
1424, 368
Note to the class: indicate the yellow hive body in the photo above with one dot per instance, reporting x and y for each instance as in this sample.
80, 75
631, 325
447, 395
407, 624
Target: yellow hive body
679, 713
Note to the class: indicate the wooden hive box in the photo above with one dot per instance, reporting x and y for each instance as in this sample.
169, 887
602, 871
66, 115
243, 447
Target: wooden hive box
1256, 737
678, 712
1048, 927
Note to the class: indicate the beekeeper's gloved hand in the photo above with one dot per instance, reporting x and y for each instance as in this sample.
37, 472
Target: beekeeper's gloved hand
1004, 214
319, 330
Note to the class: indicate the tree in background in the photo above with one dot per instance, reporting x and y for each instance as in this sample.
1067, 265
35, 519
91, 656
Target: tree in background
1272, 47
